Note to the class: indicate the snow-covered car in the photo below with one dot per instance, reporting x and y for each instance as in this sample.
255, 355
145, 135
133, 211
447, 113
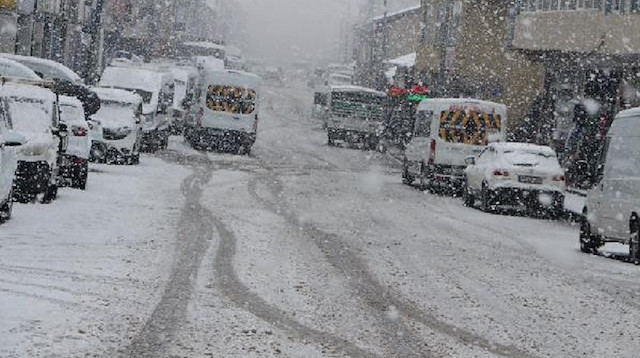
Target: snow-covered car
35, 115
120, 117
156, 90
515, 175
8, 162
612, 210
75, 159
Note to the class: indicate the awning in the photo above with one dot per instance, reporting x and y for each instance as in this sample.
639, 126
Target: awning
407, 61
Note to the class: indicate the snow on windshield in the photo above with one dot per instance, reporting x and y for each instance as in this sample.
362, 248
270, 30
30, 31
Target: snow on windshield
116, 115
30, 115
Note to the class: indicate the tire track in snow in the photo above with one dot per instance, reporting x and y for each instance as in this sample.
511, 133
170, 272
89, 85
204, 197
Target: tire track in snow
193, 239
372, 292
195, 229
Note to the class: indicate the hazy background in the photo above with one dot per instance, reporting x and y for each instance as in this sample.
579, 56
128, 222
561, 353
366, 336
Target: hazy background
281, 30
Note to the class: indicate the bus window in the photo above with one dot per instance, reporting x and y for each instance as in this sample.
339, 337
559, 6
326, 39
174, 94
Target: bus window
423, 124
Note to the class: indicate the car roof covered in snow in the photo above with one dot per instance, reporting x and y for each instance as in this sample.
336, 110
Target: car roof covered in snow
132, 78
633, 112
70, 101
357, 89
522, 147
18, 69
205, 44
50, 69
232, 77
16, 90
117, 95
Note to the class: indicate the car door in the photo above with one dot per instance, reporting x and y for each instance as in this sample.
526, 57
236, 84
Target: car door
7, 156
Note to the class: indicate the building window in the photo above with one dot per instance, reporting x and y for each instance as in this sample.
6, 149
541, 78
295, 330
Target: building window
635, 6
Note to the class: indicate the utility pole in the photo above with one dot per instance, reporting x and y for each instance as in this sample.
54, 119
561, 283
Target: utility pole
385, 39
93, 29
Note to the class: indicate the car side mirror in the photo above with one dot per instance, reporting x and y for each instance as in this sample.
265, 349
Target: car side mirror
61, 131
13, 139
471, 160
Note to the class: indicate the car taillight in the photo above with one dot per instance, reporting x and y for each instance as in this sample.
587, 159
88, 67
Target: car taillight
558, 178
432, 152
500, 173
79, 131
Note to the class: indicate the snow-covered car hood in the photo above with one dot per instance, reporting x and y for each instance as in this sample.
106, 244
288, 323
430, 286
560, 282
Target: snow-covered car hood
38, 147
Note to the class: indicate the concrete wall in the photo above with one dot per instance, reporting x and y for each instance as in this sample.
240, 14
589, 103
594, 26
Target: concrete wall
578, 31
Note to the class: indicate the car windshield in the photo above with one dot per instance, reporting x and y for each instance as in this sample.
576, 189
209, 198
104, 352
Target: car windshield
116, 114
323, 179
71, 113
30, 115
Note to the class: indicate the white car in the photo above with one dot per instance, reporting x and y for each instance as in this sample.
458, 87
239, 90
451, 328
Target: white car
34, 114
75, 161
8, 163
516, 175
612, 210
120, 116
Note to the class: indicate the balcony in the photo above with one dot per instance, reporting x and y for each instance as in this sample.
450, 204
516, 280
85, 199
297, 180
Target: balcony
606, 27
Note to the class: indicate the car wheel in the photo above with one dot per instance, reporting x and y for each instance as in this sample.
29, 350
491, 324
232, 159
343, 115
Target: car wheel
486, 198
587, 240
50, 194
634, 241
7, 209
330, 140
407, 178
467, 197
425, 183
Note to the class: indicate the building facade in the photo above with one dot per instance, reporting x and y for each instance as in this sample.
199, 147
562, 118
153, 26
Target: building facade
382, 39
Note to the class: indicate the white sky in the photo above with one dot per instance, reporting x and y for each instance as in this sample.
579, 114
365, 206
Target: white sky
283, 29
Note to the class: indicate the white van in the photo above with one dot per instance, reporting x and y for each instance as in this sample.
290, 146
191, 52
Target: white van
612, 210
227, 111
120, 117
35, 115
355, 114
445, 132
156, 89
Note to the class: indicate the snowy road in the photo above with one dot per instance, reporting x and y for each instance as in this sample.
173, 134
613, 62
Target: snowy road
298, 251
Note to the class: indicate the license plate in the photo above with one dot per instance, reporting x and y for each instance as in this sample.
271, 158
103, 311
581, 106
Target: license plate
529, 179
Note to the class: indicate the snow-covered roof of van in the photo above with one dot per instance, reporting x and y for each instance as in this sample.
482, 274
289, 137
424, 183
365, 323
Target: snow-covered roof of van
26, 91
19, 69
71, 76
117, 95
633, 112
205, 44
427, 103
357, 89
131, 77
513, 146
70, 101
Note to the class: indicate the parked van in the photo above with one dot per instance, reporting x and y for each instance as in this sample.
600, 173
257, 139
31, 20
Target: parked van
8, 161
156, 89
75, 159
356, 114
227, 111
612, 210
445, 132
35, 115
120, 118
